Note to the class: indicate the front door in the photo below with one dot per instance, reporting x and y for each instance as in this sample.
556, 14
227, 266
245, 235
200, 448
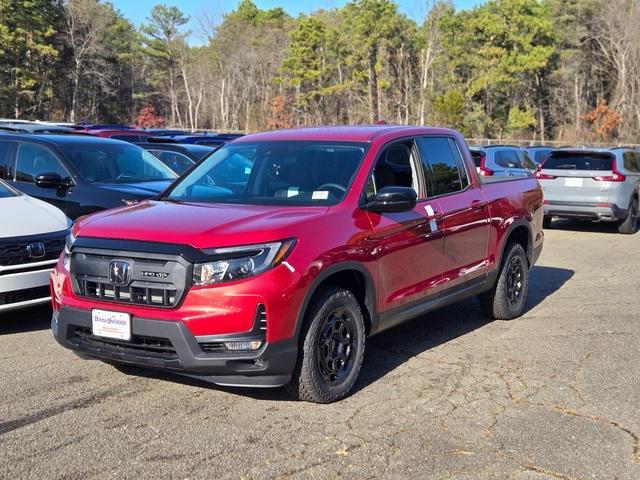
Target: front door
410, 243
33, 160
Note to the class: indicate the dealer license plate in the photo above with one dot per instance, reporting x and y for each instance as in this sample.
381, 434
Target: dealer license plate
111, 324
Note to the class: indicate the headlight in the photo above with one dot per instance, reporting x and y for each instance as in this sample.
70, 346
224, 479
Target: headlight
68, 244
236, 263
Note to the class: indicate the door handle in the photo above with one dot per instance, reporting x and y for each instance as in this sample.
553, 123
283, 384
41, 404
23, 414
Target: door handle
477, 205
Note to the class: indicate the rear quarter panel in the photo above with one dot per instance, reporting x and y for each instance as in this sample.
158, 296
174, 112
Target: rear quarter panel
513, 203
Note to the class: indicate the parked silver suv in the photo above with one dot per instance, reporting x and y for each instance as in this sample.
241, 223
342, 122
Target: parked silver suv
592, 184
502, 161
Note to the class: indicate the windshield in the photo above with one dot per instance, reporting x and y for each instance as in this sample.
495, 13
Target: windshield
5, 192
579, 161
115, 162
273, 173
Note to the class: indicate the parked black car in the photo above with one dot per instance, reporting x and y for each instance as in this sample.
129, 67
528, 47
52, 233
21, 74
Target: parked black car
81, 174
178, 158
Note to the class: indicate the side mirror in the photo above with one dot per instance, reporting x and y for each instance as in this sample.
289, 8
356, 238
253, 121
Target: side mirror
51, 180
394, 199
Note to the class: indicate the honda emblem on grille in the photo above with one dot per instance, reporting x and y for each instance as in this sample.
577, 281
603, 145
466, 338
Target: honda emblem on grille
119, 273
36, 250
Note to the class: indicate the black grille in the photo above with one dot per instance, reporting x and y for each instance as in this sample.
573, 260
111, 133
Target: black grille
136, 295
18, 296
16, 253
155, 280
149, 346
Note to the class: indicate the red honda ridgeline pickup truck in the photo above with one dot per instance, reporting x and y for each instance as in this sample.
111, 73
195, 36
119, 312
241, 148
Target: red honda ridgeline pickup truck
270, 262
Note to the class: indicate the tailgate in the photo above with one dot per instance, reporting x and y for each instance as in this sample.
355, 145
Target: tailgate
577, 177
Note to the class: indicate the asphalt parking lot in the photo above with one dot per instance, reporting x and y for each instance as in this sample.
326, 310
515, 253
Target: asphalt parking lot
554, 394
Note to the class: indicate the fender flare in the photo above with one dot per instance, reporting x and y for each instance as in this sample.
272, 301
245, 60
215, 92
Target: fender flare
519, 222
369, 300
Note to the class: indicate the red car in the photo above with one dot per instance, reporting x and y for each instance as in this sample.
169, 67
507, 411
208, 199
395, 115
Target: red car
270, 262
128, 135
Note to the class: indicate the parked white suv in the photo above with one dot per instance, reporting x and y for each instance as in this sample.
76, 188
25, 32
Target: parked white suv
32, 236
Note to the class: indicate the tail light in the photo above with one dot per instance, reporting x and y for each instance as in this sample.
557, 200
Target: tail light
482, 170
615, 176
543, 176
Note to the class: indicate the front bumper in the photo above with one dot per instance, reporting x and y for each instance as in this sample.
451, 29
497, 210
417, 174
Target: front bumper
168, 345
585, 211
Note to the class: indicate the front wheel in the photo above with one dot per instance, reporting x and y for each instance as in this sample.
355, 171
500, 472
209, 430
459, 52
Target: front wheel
546, 222
507, 298
332, 348
630, 224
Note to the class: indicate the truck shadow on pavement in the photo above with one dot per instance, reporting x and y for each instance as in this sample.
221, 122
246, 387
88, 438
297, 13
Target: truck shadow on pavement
25, 320
392, 348
588, 227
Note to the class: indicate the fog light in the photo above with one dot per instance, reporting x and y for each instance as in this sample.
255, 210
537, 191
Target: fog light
253, 345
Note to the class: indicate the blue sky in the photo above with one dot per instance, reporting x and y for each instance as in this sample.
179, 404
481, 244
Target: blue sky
137, 10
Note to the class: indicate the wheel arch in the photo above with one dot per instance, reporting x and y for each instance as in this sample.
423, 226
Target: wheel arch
352, 276
519, 232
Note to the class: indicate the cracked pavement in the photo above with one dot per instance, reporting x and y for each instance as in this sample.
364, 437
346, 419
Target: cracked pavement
552, 395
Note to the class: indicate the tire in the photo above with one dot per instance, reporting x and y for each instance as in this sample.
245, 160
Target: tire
546, 222
507, 298
630, 224
332, 347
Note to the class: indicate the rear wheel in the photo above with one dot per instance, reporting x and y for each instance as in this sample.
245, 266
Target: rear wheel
332, 348
630, 224
546, 222
507, 298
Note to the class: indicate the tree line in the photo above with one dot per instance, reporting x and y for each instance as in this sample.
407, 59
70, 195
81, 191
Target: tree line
530, 69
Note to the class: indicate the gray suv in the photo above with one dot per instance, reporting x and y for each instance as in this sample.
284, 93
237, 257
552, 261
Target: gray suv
592, 184
502, 161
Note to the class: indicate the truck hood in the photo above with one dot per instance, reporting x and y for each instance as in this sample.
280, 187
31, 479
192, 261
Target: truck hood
198, 225
139, 190
23, 215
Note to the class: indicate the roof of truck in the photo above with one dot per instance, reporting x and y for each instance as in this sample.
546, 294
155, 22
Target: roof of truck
345, 133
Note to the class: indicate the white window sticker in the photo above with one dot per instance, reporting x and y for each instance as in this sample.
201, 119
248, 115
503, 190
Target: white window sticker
293, 191
320, 195
433, 225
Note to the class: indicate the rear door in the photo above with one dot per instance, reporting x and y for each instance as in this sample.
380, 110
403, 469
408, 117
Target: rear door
464, 211
577, 177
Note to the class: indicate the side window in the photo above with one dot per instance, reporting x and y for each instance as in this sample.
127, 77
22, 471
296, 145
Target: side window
507, 158
176, 161
439, 159
394, 168
632, 161
5, 147
34, 160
